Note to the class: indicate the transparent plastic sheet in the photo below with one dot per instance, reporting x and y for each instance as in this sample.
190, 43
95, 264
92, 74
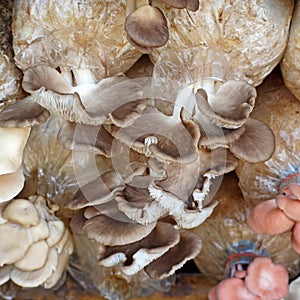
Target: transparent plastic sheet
279, 109
253, 33
196, 64
89, 274
73, 34
226, 234
49, 168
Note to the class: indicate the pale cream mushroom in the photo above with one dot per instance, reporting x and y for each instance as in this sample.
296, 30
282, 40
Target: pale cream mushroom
22, 212
38, 244
11, 178
16, 240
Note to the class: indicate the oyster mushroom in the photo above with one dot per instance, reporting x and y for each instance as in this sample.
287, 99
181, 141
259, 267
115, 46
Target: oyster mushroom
147, 28
279, 215
11, 177
87, 102
262, 280
267, 280
38, 246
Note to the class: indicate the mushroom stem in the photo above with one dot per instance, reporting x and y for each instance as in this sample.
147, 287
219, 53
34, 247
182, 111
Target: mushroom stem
83, 76
143, 2
185, 99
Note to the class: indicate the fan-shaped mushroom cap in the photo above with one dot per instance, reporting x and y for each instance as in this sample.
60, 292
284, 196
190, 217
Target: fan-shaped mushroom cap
290, 207
34, 258
257, 144
80, 137
188, 248
266, 279
11, 155
233, 288
143, 252
283, 119
23, 113
86, 103
11, 185
15, 241
98, 191
147, 27
137, 204
36, 277
61, 265
267, 218
22, 212
5, 274
230, 105
113, 232
160, 136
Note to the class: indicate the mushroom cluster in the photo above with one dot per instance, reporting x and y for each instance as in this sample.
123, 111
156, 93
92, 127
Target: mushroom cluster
279, 215
261, 280
35, 244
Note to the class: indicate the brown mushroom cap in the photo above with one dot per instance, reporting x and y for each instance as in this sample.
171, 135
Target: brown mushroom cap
147, 27
174, 139
257, 144
139, 254
113, 232
23, 114
80, 137
188, 248
98, 191
231, 104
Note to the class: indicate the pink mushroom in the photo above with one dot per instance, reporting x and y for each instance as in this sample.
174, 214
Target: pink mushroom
279, 215
263, 280
267, 280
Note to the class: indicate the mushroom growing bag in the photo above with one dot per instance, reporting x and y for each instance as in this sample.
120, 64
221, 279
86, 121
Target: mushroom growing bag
278, 108
230, 241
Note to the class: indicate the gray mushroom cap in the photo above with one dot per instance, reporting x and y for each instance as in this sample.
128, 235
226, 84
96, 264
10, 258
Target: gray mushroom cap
147, 27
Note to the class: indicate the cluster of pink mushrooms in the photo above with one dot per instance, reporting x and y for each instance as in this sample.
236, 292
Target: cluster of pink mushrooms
166, 132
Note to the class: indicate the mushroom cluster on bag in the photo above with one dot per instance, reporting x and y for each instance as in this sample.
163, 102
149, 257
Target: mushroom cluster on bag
262, 280
35, 244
